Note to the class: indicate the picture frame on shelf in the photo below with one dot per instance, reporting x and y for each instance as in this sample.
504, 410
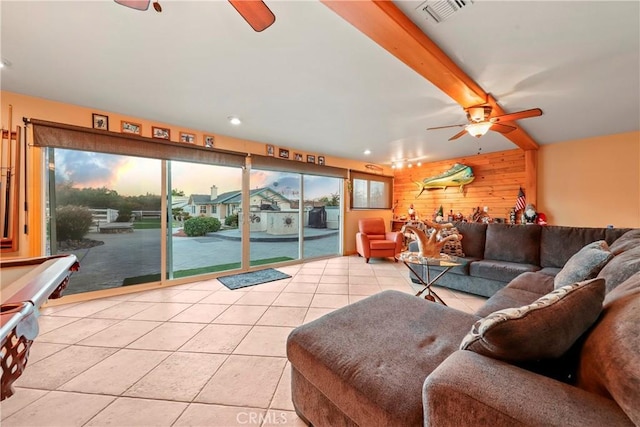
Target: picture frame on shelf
321, 160
130, 127
100, 121
187, 137
160, 133
283, 153
208, 141
297, 157
271, 150
311, 158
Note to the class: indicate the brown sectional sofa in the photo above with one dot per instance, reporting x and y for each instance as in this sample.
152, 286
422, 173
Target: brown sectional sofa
394, 360
496, 253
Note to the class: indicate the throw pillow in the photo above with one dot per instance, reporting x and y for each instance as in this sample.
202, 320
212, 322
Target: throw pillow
453, 248
544, 329
585, 264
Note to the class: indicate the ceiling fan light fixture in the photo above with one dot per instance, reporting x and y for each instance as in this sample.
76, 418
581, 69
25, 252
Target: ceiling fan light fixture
478, 129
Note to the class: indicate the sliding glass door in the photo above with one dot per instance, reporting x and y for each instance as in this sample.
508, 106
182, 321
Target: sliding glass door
323, 198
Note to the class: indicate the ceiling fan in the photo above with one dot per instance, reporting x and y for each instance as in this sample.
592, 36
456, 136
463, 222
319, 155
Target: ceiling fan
480, 121
255, 12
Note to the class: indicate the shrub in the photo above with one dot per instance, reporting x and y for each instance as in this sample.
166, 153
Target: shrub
231, 220
199, 226
124, 215
72, 222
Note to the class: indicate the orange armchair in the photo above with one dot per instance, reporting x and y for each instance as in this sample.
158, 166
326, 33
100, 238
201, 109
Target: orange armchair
372, 241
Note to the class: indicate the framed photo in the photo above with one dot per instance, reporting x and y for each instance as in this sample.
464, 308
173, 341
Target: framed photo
311, 158
321, 160
208, 141
160, 133
189, 138
130, 127
270, 150
100, 121
283, 153
297, 157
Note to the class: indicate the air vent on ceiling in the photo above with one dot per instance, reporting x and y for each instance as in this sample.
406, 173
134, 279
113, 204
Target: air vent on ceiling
440, 10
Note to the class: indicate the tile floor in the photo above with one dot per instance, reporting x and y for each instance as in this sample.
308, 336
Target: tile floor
190, 355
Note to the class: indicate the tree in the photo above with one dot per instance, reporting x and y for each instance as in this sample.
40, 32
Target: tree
176, 192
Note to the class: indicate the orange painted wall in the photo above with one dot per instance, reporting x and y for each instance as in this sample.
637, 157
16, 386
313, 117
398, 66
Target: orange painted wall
591, 182
38, 108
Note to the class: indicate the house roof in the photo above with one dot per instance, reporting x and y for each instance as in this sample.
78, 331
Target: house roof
231, 197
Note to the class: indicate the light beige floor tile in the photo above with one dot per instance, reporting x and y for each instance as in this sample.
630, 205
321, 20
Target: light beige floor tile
304, 288
311, 272
356, 298
40, 350
363, 280
336, 271
76, 331
116, 373
200, 313
276, 286
265, 341
329, 301
337, 280
330, 288
245, 373
283, 316
293, 299
125, 411
179, 377
199, 415
50, 323
190, 295
88, 308
391, 280
207, 285
282, 418
315, 313
57, 369
306, 278
49, 310
168, 336
223, 297
401, 288
157, 295
457, 304
217, 339
258, 298
121, 334
388, 273
282, 397
20, 399
364, 289
290, 270
241, 314
58, 408
122, 310
161, 311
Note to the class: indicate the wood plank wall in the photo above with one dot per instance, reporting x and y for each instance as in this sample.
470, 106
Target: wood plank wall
498, 177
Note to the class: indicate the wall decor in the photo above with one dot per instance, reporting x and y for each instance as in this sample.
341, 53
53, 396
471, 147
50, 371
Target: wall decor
311, 158
160, 133
100, 121
283, 153
458, 176
130, 127
270, 150
208, 141
189, 138
297, 157
321, 160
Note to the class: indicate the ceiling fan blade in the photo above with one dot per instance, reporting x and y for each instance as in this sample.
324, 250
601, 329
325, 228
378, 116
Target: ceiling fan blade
499, 127
135, 4
446, 127
255, 12
458, 135
516, 116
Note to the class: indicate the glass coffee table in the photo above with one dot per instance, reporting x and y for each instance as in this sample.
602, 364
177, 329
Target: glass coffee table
412, 260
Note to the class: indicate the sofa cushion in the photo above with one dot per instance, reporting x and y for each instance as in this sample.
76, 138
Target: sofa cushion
613, 234
610, 358
376, 245
513, 243
585, 264
559, 243
452, 247
545, 329
629, 240
502, 271
474, 236
377, 381
621, 267
523, 290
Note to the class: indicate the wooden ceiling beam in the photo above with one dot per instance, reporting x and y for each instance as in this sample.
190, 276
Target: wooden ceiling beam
388, 26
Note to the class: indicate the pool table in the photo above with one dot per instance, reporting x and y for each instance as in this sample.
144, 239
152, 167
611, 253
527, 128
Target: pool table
26, 284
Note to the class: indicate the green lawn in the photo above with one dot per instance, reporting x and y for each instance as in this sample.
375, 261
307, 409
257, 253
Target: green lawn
202, 270
148, 223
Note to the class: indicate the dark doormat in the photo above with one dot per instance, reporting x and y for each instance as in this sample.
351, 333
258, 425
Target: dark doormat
243, 280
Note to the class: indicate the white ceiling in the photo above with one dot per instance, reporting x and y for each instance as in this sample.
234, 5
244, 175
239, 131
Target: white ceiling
315, 83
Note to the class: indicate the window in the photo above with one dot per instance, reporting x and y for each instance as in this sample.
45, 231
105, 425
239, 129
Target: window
203, 209
214, 209
370, 191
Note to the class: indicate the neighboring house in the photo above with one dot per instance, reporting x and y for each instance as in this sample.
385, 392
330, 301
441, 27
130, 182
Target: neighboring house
230, 203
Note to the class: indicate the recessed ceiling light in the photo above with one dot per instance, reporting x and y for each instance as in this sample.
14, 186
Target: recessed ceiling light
367, 152
234, 120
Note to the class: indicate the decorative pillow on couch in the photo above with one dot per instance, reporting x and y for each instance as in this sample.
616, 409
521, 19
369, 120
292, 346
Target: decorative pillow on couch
584, 265
454, 247
544, 329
